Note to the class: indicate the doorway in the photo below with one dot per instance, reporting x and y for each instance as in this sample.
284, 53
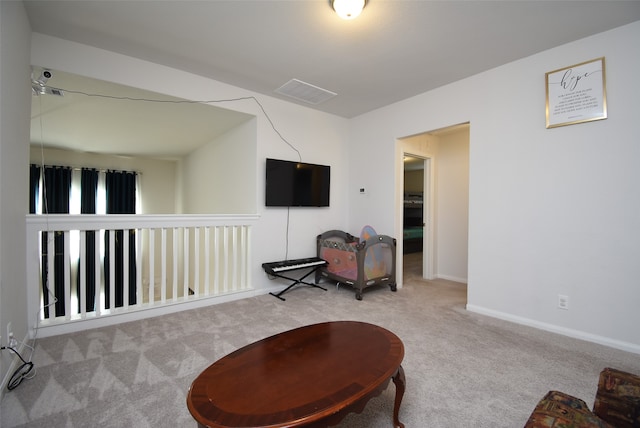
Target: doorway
415, 215
442, 159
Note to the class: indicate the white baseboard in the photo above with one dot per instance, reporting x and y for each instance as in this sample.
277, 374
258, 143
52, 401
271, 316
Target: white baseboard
576, 334
73, 326
452, 278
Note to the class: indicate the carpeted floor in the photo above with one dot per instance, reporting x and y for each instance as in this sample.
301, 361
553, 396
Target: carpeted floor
462, 369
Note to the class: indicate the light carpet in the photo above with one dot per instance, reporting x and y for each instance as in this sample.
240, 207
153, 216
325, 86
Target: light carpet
462, 369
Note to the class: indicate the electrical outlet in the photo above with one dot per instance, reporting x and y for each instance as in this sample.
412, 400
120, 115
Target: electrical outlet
563, 302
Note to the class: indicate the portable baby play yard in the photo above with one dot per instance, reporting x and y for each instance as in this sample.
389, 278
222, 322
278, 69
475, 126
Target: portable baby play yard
359, 262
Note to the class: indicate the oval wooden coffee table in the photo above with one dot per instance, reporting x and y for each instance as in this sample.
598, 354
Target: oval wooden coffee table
312, 376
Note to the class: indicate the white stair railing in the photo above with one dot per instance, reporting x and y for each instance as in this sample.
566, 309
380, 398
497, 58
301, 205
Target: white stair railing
178, 262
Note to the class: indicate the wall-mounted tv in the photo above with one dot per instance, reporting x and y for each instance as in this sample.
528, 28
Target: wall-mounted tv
296, 184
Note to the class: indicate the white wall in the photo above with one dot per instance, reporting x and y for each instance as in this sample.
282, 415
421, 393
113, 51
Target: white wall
220, 177
452, 206
319, 137
15, 108
552, 211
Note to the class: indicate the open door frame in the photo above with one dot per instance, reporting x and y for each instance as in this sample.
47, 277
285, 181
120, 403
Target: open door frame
406, 147
429, 221
426, 146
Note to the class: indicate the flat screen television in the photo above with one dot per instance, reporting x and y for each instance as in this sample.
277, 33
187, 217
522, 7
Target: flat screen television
296, 184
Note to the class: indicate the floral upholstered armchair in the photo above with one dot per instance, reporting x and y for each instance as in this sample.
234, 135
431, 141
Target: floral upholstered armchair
617, 405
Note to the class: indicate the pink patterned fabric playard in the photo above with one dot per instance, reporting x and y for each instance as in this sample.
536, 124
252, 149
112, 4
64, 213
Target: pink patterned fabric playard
359, 262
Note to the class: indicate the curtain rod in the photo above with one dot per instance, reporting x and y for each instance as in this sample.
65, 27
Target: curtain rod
105, 170
75, 168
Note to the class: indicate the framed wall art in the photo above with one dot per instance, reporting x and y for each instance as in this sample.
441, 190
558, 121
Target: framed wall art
576, 94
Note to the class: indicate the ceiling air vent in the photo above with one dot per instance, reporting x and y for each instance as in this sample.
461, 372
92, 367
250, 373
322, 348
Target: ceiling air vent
306, 92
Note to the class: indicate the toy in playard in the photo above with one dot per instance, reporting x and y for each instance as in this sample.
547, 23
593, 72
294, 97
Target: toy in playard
374, 265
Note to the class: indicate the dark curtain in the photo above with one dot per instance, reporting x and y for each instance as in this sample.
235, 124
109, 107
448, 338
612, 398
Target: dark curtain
88, 193
120, 189
34, 184
57, 187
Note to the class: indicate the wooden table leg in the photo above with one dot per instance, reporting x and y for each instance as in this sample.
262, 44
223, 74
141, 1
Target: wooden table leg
399, 381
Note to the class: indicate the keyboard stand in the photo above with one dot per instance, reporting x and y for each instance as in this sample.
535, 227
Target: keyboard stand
295, 282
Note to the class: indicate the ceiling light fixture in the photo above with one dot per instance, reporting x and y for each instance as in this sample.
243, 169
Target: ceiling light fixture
348, 9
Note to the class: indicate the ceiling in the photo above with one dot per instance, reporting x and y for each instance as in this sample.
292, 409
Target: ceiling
101, 117
394, 50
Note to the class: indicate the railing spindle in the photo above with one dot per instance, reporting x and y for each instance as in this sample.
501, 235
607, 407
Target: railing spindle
207, 263
152, 266
125, 268
234, 254
216, 260
99, 301
139, 265
163, 267
185, 266
67, 276
82, 271
196, 262
175, 263
51, 251
225, 258
112, 270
